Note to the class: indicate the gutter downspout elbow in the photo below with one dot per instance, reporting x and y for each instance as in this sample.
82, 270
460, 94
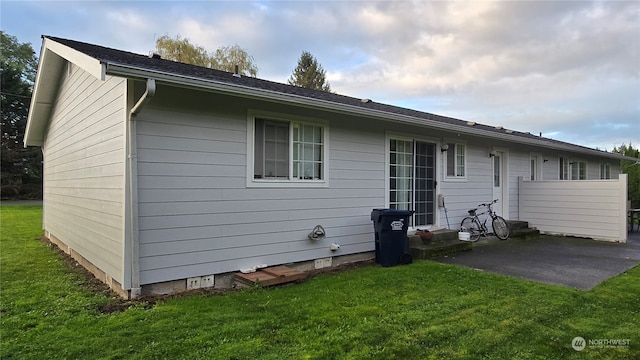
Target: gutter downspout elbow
136, 289
144, 99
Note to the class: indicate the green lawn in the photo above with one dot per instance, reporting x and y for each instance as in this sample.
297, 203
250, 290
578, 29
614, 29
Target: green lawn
425, 310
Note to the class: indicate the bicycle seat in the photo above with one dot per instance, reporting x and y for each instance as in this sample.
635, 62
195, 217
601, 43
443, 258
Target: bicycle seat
472, 212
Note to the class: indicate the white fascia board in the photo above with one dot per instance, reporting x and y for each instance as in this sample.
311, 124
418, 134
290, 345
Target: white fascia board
50, 66
41, 97
261, 94
87, 63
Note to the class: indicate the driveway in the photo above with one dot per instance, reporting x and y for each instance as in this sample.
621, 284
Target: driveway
572, 262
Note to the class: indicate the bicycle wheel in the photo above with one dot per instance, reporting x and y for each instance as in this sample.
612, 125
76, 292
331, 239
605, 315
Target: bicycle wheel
471, 226
500, 228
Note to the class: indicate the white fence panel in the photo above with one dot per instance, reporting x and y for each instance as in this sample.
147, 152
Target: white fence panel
587, 208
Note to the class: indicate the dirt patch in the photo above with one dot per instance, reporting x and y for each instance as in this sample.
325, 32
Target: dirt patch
340, 268
117, 304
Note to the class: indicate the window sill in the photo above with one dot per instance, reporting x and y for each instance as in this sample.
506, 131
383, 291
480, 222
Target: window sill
455, 179
288, 184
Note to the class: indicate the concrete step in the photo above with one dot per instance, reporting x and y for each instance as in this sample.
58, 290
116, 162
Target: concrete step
442, 235
438, 249
526, 233
445, 241
516, 225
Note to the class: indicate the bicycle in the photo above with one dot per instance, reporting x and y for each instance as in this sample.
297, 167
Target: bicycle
475, 228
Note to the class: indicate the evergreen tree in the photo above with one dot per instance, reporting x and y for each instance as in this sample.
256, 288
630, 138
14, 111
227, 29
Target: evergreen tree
21, 168
309, 74
632, 169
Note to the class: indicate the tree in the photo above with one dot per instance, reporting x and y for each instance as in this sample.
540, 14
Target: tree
21, 168
225, 58
181, 50
632, 169
309, 74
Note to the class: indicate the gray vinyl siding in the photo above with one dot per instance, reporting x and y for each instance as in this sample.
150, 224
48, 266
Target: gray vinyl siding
198, 217
460, 196
84, 169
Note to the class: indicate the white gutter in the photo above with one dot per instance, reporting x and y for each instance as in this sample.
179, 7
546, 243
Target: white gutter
132, 160
251, 92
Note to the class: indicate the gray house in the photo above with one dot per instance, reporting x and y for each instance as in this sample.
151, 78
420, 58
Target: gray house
156, 172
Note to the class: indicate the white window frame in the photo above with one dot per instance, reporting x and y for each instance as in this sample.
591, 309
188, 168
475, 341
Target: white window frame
564, 167
406, 137
569, 164
607, 171
577, 162
445, 155
539, 174
290, 182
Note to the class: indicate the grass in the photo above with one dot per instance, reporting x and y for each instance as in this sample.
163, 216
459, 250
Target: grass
425, 310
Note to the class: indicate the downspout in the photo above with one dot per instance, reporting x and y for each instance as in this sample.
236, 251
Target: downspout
144, 99
136, 289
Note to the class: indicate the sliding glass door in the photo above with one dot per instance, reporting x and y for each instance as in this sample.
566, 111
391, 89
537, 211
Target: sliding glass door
412, 179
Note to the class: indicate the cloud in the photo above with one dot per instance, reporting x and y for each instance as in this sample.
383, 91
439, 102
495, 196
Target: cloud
568, 68
489, 42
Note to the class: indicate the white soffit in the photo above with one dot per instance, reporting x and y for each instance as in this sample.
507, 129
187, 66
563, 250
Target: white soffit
50, 67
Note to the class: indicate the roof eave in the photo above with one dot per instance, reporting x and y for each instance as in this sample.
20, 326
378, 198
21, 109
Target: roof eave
262, 94
53, 57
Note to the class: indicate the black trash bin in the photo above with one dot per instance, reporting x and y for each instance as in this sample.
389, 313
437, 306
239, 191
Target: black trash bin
391, 226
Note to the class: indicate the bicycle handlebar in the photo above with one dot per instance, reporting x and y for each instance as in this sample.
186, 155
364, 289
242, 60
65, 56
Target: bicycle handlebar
487, 204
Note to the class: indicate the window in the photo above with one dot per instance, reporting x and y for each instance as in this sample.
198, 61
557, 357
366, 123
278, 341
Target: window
271, 150
535, 167
497, 170
307, 152
605, 171
572, 170
288, 151
578, 170
456, 160
564, 169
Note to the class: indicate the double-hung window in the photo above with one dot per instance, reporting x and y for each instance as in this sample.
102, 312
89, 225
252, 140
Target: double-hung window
456, 161
288, 151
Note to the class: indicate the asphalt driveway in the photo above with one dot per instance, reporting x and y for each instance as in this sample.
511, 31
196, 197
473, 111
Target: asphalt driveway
572, 262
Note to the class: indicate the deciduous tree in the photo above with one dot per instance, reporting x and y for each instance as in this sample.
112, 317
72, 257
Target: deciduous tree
227, 57
224, 58
181, 50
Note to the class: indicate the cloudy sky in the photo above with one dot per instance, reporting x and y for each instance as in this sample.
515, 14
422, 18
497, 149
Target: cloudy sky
568, 69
